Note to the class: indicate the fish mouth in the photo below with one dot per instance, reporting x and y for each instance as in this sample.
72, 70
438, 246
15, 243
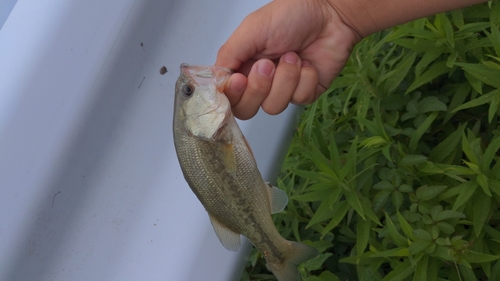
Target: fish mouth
204, 75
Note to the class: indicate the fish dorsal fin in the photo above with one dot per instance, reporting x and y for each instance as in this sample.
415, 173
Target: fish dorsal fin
229, 239
277, 198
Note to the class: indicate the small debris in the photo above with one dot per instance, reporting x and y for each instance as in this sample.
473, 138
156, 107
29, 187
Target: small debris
163, 70
141, 82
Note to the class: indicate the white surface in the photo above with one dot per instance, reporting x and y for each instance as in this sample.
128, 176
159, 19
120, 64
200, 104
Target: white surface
90, 184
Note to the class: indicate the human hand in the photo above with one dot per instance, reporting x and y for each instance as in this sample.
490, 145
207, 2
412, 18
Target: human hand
287, 51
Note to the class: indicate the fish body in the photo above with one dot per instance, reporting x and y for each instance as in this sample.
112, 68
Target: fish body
220, 168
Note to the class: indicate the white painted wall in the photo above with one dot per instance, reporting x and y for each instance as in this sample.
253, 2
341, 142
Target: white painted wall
90, 187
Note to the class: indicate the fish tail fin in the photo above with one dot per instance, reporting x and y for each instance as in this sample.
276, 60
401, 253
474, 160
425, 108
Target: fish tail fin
288, 270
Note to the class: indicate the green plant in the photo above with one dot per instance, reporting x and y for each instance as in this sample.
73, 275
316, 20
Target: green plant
394, 173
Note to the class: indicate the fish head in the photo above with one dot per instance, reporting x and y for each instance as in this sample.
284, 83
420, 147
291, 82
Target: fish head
200, 105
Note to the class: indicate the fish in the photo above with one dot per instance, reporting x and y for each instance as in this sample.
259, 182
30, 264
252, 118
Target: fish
219, 166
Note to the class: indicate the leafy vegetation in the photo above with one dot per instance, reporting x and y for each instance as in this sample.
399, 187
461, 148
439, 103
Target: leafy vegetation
394, 173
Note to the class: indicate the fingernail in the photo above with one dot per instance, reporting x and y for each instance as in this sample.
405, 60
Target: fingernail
265, 68
290, 57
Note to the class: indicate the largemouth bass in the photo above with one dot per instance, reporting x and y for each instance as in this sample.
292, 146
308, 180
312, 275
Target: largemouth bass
220, 168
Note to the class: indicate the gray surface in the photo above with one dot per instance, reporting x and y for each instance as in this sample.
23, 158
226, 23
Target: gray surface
90, 185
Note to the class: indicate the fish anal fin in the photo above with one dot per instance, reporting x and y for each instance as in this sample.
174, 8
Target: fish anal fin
229, 239
277, 198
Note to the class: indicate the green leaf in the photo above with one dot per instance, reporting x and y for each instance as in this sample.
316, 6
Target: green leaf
363, 103
397, 238
444, 25
362, 235
422, 234
494, 104
384, 185
448, 146
322, 213
428, 57
494, 185
449, 214
430, 104
396, 252
368, 211
466, 190
467, 272
406, 227
482, 180
381, 198
374, 141
476, 84
476, 257
334, 155
486, 98
490, 153
312, 175
425, 192
340, 210
458, 18
320, 161
418, 46
400, 272
319, 192
460, 93
353, 200
397, 199
419, 246
317, 261
411, 159
394, 77
415, 138
481, 211
468, 148
421, 269
494, 37
433, 72
328, 276
495, 272
482, 72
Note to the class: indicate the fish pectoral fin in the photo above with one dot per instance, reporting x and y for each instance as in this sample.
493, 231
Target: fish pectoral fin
229, 159
277, 198
229, 239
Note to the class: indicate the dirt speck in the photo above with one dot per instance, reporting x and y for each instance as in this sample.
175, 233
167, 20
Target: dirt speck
163, 70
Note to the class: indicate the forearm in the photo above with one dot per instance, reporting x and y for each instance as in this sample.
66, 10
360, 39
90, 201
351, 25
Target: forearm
369, 16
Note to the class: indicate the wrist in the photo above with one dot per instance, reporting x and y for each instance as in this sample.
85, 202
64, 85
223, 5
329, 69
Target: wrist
365, 17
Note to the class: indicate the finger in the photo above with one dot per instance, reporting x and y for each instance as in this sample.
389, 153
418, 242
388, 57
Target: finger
305, 93
235, 88
259, 83
284, 84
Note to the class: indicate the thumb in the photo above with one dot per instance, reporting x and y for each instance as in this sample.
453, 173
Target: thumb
245, 42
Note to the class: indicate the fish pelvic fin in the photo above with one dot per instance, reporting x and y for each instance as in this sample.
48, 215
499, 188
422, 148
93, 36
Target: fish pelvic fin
229, 239
288, 271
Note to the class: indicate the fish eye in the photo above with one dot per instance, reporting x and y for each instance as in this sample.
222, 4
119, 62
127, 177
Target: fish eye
188, 90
